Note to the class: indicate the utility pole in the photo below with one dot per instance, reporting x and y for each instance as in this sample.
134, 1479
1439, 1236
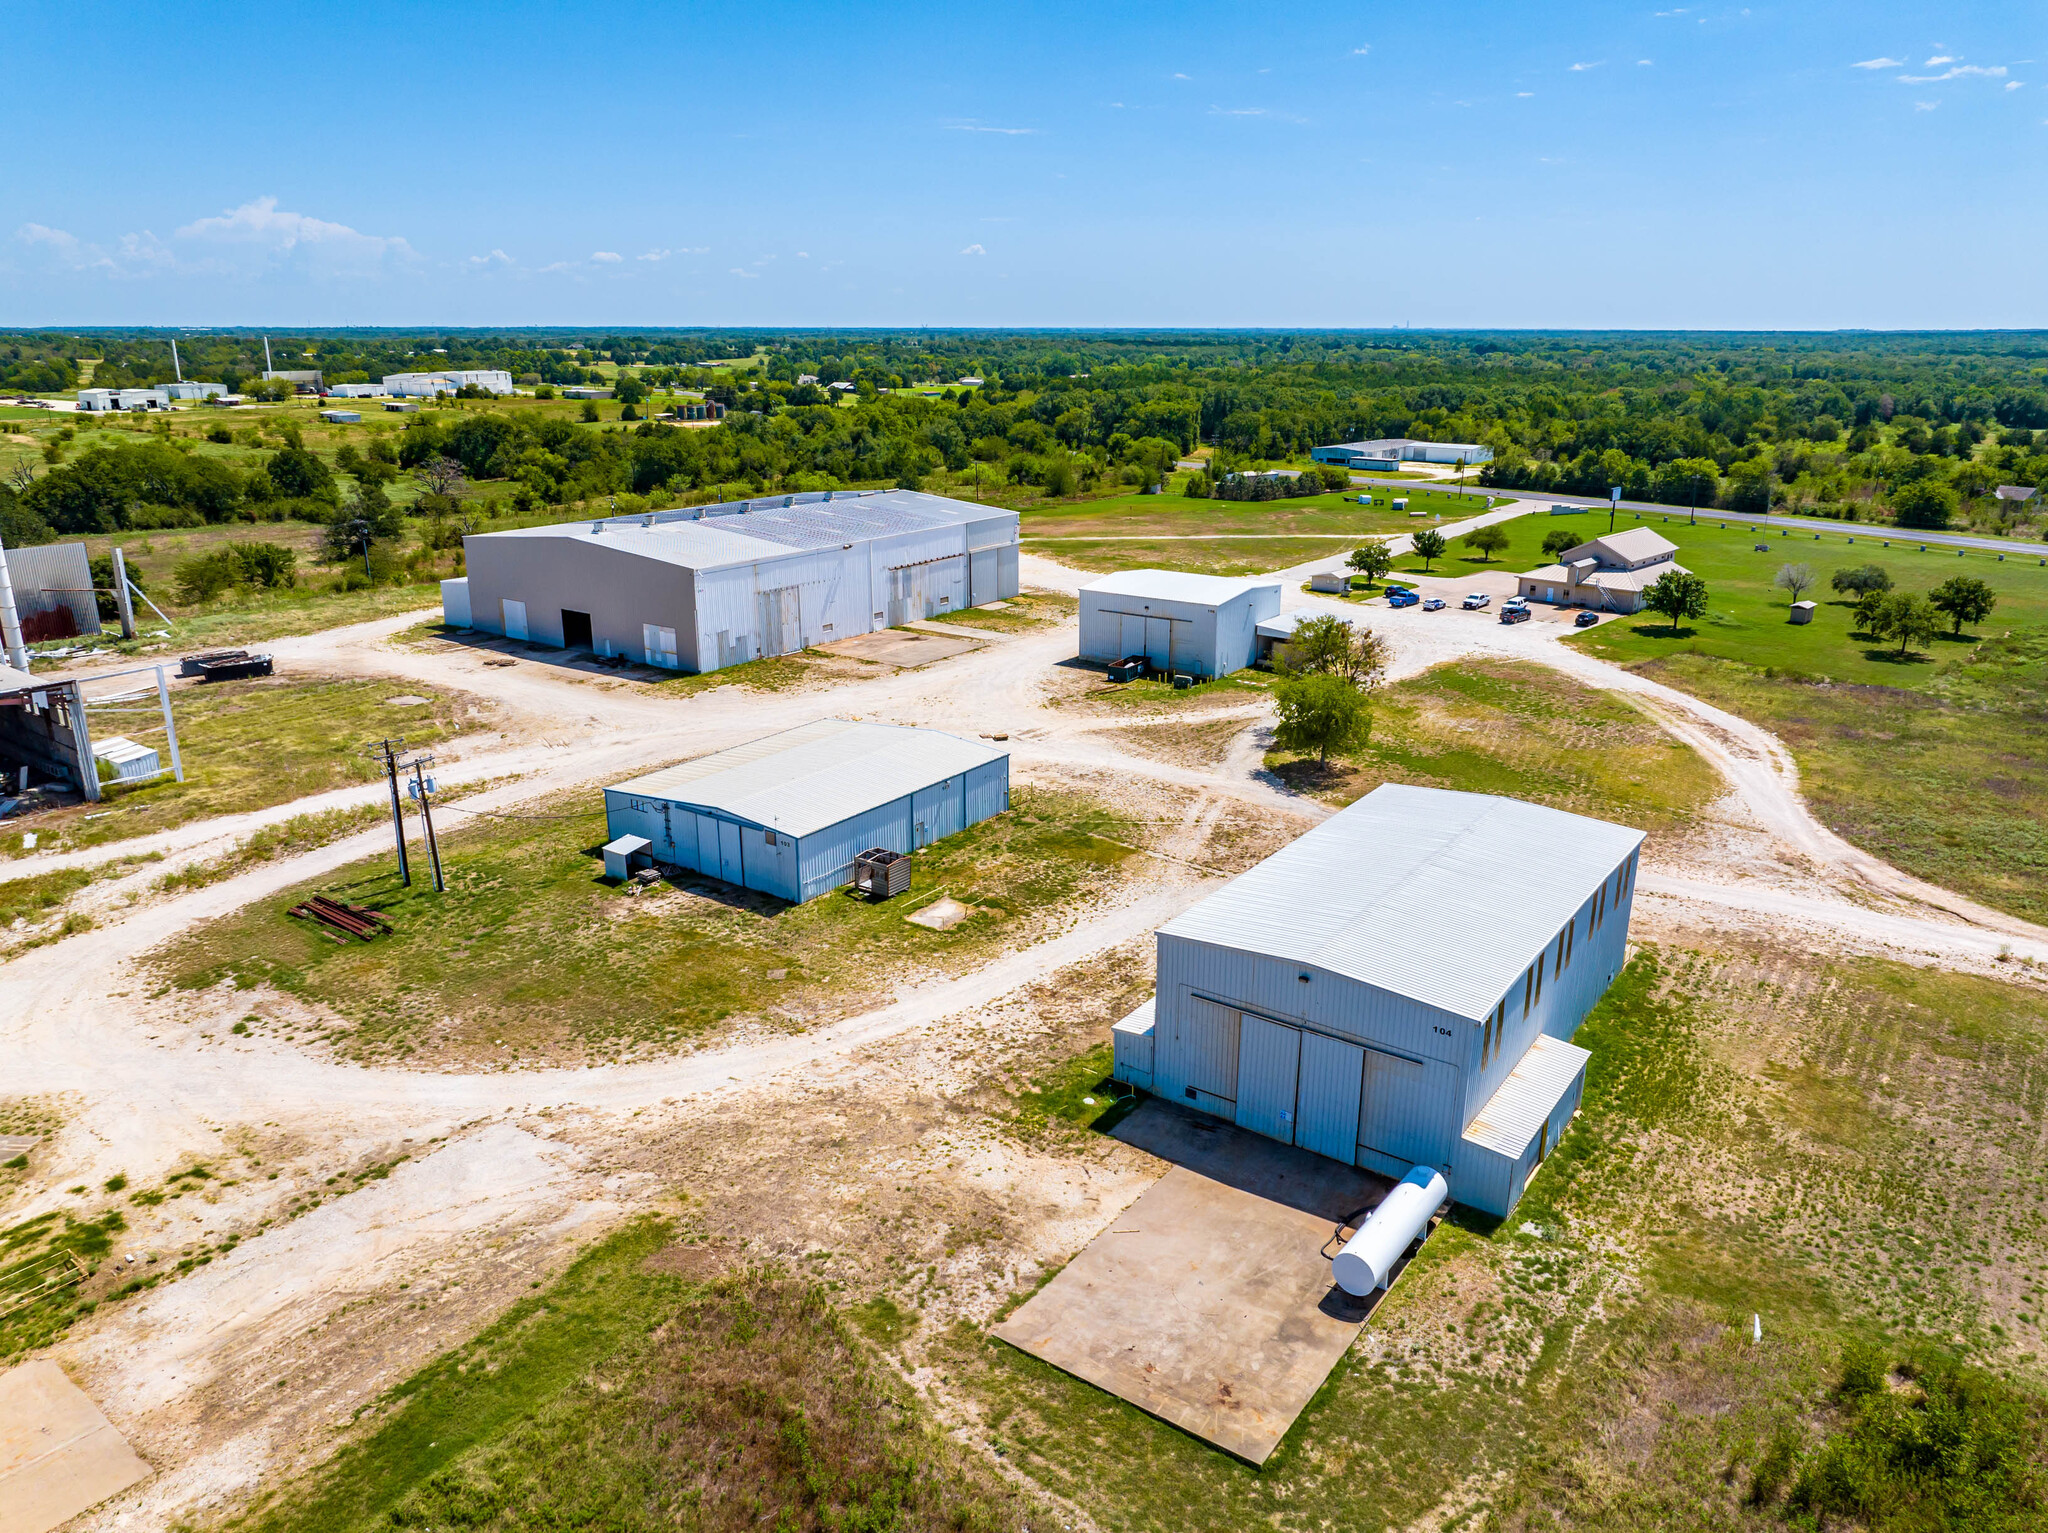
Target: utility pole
10, 620
422, 790
388, 752
1692, 516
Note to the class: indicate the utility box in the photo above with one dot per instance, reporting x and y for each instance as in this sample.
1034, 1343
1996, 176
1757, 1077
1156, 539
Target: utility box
622, 856
879, 873
1802, 611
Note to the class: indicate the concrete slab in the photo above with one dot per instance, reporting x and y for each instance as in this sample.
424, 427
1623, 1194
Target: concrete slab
58, 1454
941, 915
1209, 1303
897, 647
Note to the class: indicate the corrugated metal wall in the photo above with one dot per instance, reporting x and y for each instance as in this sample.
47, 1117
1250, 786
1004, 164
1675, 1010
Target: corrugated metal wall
1327, 1110
54, 577
1268, 1070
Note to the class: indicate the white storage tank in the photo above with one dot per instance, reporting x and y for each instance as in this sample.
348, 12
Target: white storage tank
1369, 1257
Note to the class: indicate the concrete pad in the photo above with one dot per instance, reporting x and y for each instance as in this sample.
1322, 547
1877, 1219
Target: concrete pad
895, 646
58, 1454
1209, 1303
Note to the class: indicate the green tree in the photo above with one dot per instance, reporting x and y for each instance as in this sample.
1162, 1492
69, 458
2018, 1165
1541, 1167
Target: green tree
1901, 615
1862, 580
1794, 579
1677, 594
1320, 713
1558, 539
1963, 599
1923, 503
296, 474
1326, 645
1429, 544
1489, 540
629, 390
589, 410
1372, 560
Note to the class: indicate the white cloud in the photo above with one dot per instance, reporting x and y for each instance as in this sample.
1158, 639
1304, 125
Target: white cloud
1644, 63
741, 271
1938, 60
1679, 12
262, 229
1361, 52
1238, 111
495, 258
975, 127
1180, 77
974, 250
607, 256
1524, 95
1582, 68
1960, 72
655, 255
1925, 106
2012, 84
1879, 63
803, 255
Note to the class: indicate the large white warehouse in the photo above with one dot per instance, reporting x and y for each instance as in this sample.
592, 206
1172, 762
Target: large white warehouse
1398, 987
1204, 625
712, 586
788, 814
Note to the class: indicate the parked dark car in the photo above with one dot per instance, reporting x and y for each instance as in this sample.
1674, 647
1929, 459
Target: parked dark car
1585, 620
1514, 614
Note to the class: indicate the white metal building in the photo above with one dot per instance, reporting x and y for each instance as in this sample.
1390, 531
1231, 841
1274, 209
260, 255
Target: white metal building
1204, 625
184, 389
99, 400
710, 586
788, 814
1392, 451
1398, 987
354, 390
446, 381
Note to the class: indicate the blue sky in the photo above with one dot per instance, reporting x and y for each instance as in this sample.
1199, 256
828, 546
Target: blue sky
1560, 165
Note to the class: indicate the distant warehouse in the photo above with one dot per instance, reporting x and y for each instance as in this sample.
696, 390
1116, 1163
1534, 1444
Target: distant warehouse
492, 380
1393, 451
788, 814
711, 586
1398, 987
1204, 625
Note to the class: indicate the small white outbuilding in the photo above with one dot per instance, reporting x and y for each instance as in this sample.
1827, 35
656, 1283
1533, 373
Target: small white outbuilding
1202, 625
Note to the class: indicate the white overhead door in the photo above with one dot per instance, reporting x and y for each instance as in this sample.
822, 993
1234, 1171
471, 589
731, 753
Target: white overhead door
515, 618
1326, 1113
1268, 1066
781, 620
1130, 635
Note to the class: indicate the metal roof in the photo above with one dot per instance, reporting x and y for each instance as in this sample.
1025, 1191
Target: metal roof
1173, 585
1529, 1095
802, 780
742, 532
1629, 545
1282, 627
1439, 896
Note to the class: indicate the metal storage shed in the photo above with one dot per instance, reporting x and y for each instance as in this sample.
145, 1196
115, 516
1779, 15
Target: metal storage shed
788, 814
1396, 987
711, 586
1205, 625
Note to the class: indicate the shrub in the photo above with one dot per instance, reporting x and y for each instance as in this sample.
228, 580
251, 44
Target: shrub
1923, 503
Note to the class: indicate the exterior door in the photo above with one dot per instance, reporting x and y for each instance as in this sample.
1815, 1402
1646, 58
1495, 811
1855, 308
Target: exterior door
1158, 643
1268, 1070
981, 576
1205, 1040
1130, 636
1332, 1081
1396, 1118
515, 618
729, 866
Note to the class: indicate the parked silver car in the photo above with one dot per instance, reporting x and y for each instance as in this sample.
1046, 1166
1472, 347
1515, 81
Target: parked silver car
1475, 600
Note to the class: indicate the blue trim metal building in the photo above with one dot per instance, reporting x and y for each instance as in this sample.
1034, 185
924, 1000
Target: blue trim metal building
787, 814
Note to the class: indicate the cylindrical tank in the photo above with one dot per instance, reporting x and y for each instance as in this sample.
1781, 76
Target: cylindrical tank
1368, 1257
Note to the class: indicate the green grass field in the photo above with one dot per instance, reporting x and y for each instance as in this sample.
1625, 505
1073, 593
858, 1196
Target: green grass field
1524, 731
250, 744
1176, 515
503, 965
1217, 556
1851, 1150
647, 1389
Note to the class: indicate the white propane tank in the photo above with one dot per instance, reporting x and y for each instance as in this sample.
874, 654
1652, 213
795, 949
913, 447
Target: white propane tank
1368, 1257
